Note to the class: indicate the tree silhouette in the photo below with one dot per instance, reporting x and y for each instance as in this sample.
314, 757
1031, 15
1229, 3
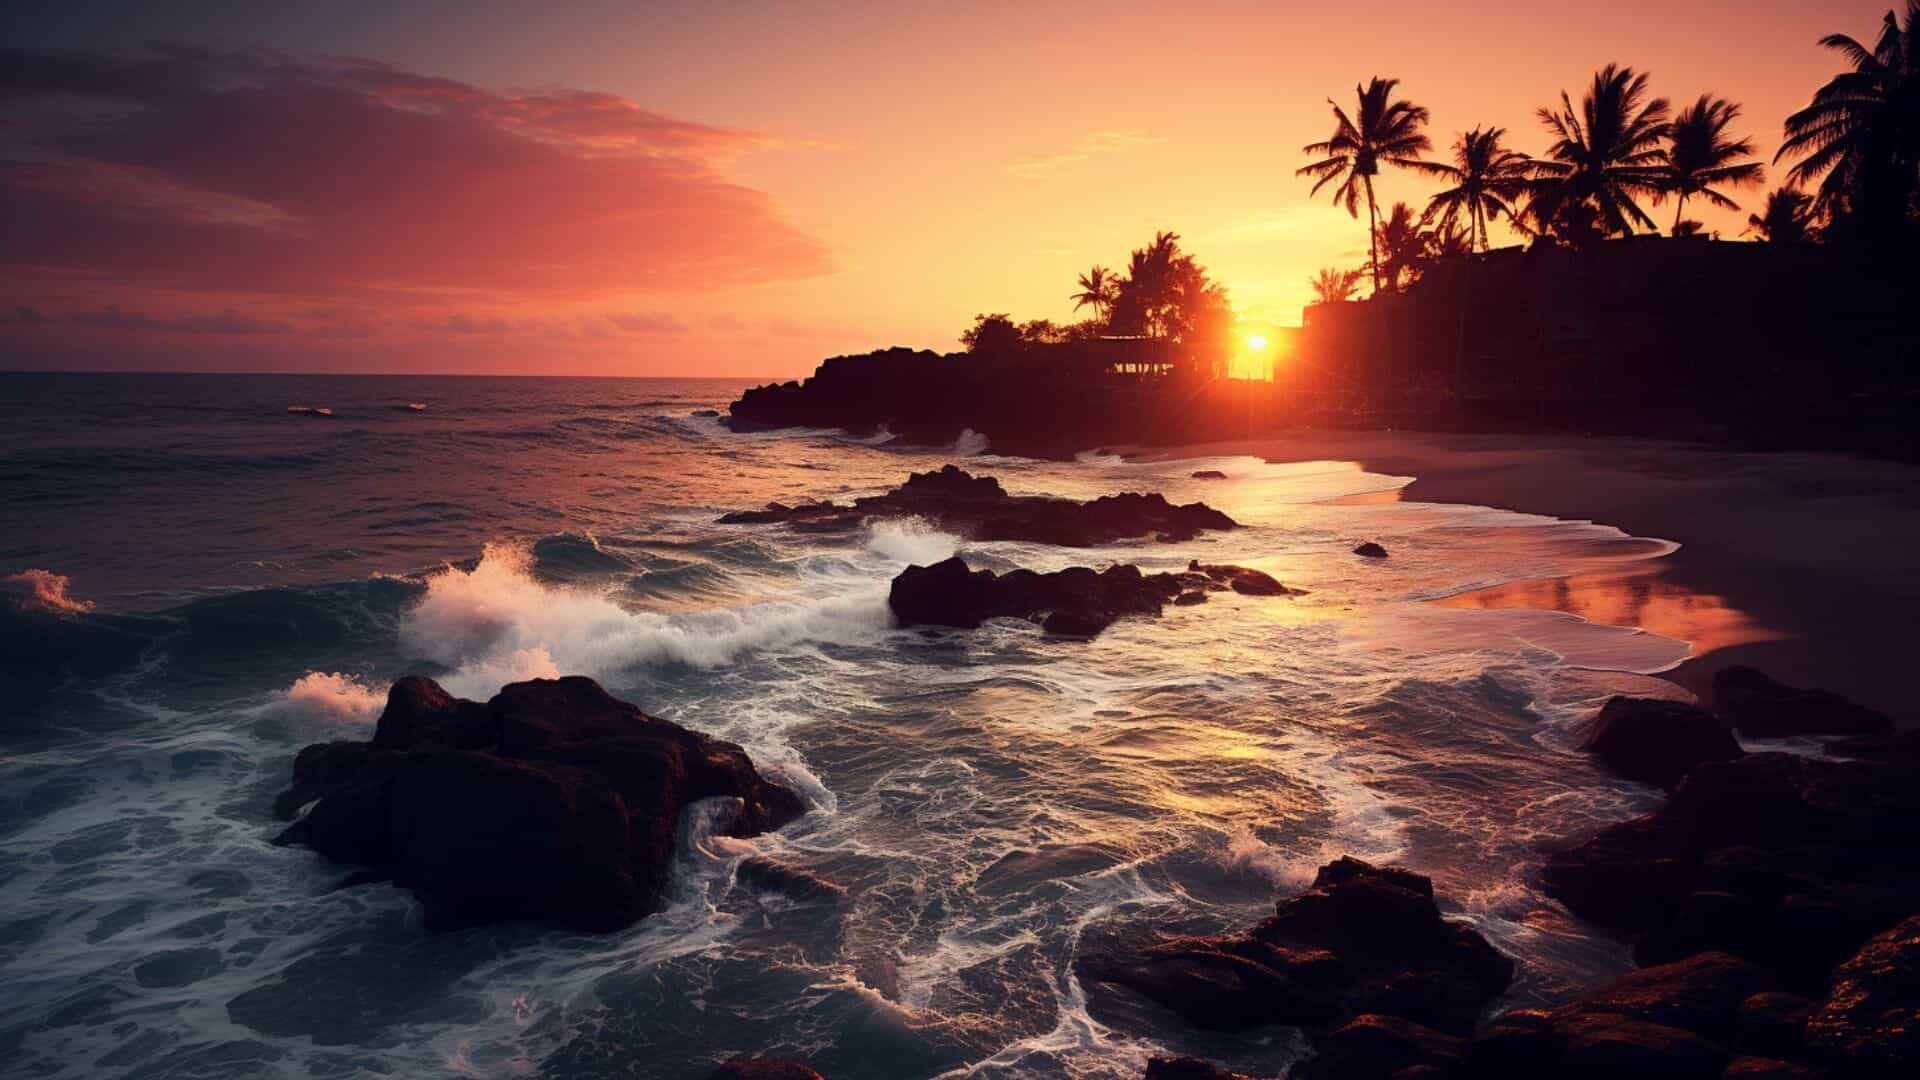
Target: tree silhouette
1332, 286
1700, 154
1862, 130
1402, 244
1487, 180
1608, 151
1098, 289
1787, 219
1382, 130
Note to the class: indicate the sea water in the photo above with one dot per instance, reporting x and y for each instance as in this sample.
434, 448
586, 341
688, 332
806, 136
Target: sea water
221, 582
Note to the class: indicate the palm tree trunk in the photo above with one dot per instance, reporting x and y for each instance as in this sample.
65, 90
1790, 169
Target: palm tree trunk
1373, 237
1677, 211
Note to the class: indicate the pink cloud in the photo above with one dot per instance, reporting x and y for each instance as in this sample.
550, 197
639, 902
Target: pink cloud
256, 174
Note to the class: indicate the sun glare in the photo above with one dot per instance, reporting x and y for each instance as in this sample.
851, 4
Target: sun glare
1256, 342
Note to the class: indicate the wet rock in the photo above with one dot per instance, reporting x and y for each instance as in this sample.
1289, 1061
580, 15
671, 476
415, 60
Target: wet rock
1370, 550
1787, 861
980, 509
1869, 1024
1189, 1068
1772, 1023
1362, 940
1243, 580
796, 883
1075, 602
1655, 741
704, 412
764, 1069
553, 801
1760, 707
1371, 1046
1209, 474
1758, 1068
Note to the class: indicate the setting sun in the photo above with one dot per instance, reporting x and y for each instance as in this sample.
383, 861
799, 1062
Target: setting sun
1256, 342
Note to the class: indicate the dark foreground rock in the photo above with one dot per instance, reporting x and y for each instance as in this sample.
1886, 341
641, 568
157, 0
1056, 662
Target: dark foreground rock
1787, 861
978, 508
764, 1069
1760, 707
553, 801
1076, 602
1362, 941
1655, 741
1869, 1024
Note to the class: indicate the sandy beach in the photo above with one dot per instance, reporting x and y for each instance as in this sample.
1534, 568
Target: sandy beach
1815, 550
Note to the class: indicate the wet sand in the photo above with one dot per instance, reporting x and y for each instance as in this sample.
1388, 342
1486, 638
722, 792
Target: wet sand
1804, 565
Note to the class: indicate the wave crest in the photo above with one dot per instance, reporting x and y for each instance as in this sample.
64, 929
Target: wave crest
43, 591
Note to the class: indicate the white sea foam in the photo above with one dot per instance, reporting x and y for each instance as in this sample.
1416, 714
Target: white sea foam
970, 443
910, 541
329, 696
496, 623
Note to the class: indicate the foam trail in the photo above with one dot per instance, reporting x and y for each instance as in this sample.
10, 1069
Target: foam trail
496, 623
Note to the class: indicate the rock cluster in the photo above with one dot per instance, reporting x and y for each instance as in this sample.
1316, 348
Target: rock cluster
1075, 602
553, 801
978, 508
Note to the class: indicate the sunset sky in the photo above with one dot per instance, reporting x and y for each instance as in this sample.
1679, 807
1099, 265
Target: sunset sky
734, 188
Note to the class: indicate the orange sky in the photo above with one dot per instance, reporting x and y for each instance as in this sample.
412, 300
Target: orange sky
752, 187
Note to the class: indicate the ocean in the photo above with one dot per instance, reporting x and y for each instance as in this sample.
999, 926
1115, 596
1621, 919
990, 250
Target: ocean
201, 583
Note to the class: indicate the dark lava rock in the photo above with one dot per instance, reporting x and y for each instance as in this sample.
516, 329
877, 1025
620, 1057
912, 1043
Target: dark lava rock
763, 1069
1372, 1046
553, 801
1869, 1024
704, 412
1671, 1021
1075, 602
979, 508
1759, 707
1758, 1068
765, 875
1774, 1023
1188, 1068
1209, 474
1657, 742
1784, 860
1370, 550
1362, 940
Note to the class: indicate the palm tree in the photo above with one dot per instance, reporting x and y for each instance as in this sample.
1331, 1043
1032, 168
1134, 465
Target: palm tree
1098, 288
1332, 286
1862, 129
1609, 151
1700, 155
1403, 247
1487, 180
1788, 218
1383, 130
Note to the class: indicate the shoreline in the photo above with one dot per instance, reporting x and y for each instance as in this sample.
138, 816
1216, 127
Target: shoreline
1813, 548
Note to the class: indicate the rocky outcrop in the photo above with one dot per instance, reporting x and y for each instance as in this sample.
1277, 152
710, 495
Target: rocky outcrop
1760, 707
1075, 602
978, 508
1209, 474
553, 801
1787, 861
1869, 1025
1370, 550
1655, 741
1363, 940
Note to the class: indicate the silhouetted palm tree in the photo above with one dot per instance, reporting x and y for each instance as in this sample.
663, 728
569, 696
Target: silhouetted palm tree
1402, 244
1788, 218
1383, 130
1332, 286
1608, 151
1487, 180
1098, 287
1700, 155
1862, 130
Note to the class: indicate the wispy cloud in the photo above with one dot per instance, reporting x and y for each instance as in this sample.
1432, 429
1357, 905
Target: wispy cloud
1092, 144
226, 322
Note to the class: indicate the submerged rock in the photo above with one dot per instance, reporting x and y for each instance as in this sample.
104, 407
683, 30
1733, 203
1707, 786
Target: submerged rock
1075, 602
553, 801
1189, 1068
1370, 550
1363, 940
1760, 707
1655, 741
1209, 474
980, 509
